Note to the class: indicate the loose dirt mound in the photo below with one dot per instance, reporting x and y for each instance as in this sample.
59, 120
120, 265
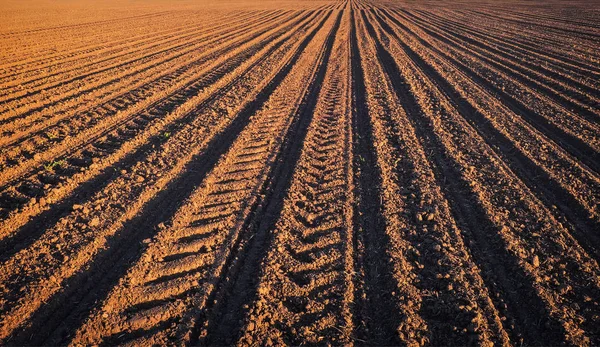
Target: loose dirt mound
314, 172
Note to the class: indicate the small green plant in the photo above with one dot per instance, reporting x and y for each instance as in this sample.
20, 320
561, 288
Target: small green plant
51, 165
166, 135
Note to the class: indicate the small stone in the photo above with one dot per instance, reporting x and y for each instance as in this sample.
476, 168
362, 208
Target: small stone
536, 261
94, 222
77, 207
139, 179
564, 288
251, 326
430, 216
105, 315
123, 172
146, 241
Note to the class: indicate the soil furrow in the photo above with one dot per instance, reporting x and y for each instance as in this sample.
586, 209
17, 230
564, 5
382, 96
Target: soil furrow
305, 288
108, 51
509, 242
577, 207
532, 45
149, 168
374, 321
329, 172
95, 81
574, 137
511, 50
593, 37
88, 153
82, 24
431, 242
95, 41
71, 92
578, 98
209, 237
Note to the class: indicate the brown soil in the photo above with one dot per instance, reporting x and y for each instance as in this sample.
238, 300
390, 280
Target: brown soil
307, 172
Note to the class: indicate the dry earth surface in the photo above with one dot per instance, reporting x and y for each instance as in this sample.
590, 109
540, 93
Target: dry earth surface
300, 172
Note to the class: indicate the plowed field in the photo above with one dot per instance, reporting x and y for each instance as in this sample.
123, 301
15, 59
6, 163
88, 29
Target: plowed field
290, 173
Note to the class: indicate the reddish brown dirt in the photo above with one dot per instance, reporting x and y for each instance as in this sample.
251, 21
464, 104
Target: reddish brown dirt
308, 172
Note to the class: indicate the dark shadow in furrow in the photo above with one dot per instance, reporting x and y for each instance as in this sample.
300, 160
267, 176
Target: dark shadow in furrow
129, 336
56, 322
84, 92
500, 270
535, 178
550, 88
227, 317
26, 235
376, 321
575, 146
